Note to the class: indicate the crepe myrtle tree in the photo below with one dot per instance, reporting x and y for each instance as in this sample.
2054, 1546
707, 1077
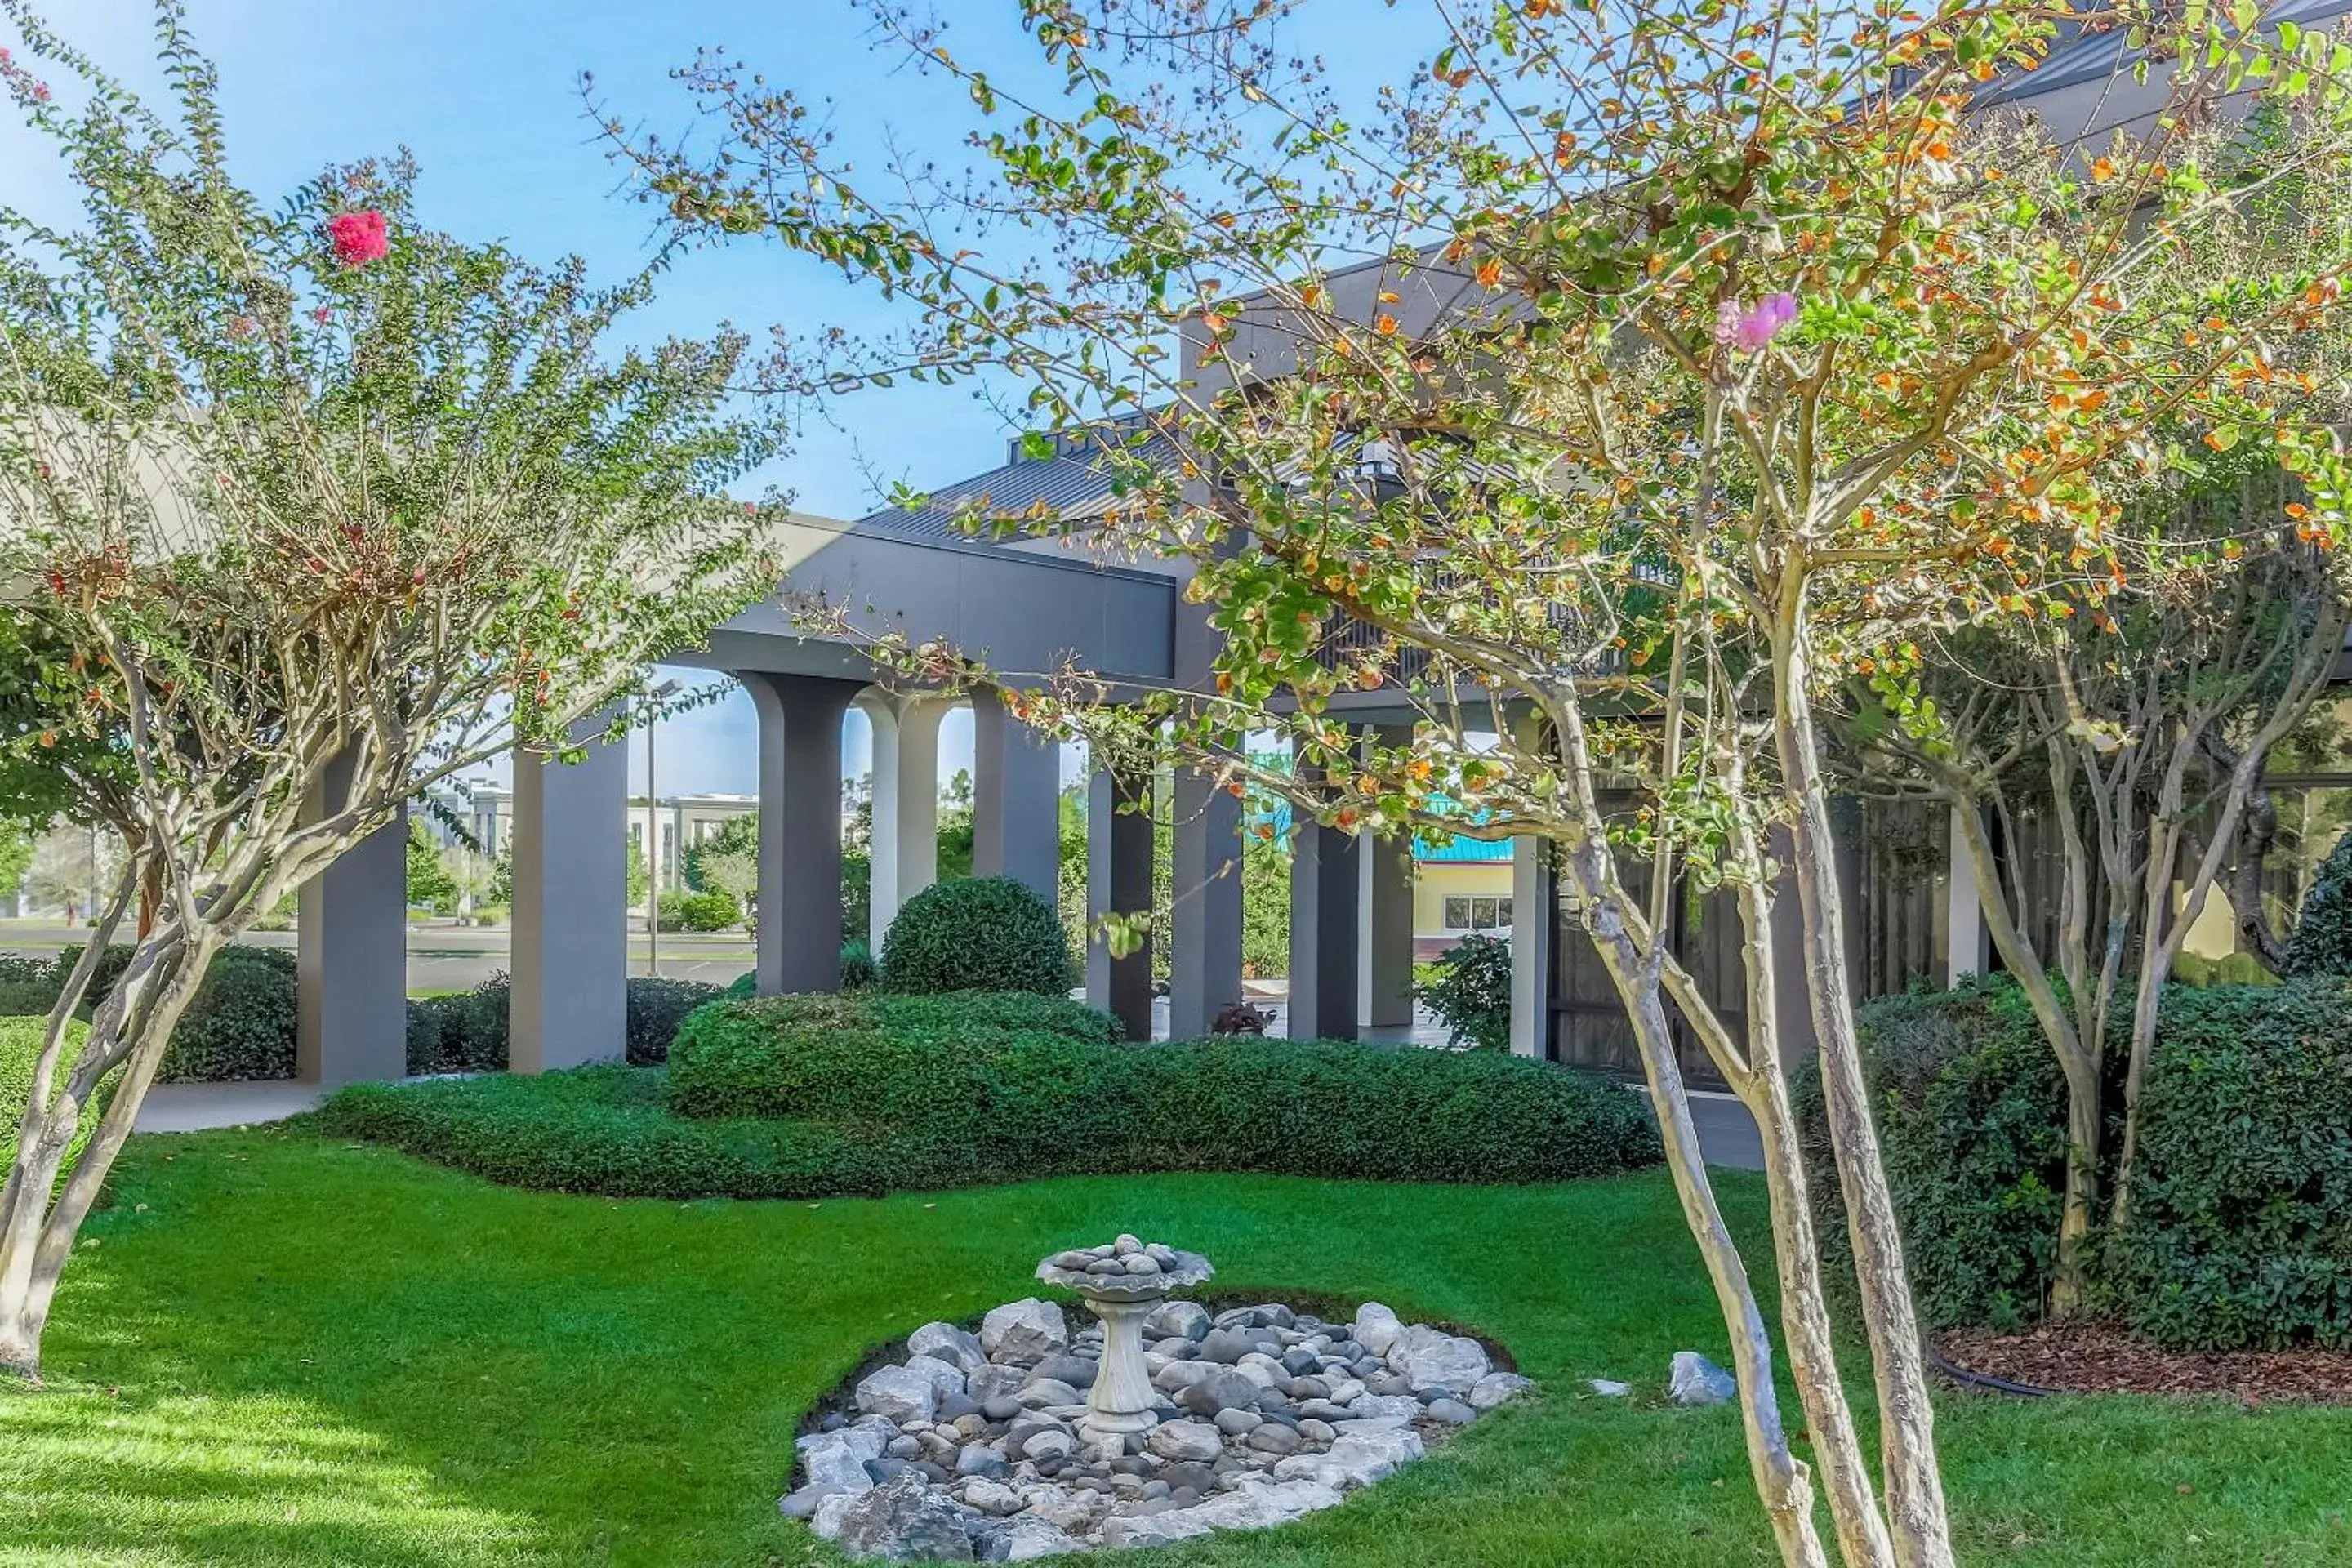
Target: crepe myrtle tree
307, 506
2121, 750
1618, 382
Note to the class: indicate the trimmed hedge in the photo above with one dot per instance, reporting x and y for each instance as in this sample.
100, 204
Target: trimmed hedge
20, 1047
657, 1006
1032, 1085
467, 1031
1971, 1114
602, 1129
240, 1024
977, 933
2240, 1229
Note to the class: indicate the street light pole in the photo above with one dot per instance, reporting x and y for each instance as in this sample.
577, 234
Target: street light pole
660, 694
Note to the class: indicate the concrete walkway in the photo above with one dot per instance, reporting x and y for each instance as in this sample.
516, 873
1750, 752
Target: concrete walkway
200, 1107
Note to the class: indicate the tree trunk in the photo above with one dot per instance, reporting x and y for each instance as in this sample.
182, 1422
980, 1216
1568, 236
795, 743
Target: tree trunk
1805, 1321
39, 1218
1915, 1490
2084, 1111
1782, 1480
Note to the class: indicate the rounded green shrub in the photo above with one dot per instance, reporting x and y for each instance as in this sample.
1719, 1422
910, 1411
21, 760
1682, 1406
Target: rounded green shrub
657, 1006
1971, 1115
2241, 1215
2322, 942
1470, 991
977, 933
240, 1024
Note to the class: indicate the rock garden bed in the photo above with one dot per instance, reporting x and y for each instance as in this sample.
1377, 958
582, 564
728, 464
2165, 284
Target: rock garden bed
957, 1446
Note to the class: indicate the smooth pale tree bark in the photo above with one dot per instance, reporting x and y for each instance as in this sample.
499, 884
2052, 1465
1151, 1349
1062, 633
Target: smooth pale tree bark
1914, 1490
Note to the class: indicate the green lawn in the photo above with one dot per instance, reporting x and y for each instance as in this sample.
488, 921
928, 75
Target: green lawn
286, 1350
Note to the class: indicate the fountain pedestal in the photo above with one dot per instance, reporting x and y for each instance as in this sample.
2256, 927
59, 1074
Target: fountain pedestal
1123, 1282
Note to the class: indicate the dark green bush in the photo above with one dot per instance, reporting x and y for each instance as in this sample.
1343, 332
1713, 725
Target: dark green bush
1971, 1114
467, 1031
704, 911
657, 1006
2240, 1215
27, 999
2322, 942
1469, 990
602, 1129
240, 1024
24, 969
988, 1086
463, 1032
977, 933
857, 966
112, 960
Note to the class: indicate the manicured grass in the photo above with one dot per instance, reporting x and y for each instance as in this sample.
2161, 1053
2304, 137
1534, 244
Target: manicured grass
300, 1352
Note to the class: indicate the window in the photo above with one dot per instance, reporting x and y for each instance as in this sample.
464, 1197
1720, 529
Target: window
1477, 913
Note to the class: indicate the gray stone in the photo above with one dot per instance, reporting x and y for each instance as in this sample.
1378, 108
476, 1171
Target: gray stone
956, 1407
1609, 1388
1050, 1443
1254, 1505
993, 1496
1024, 1332
1498, 1388
1323, 1410
1178, 1321
1357, 1457
1181, 1374
1029, 1538
979, 1459
1048, 1392
902, 1394
1239, 1423
802, 1504
905, 1520
1315, 1431
992, 1380
1223, 1388
1077, 1371
1447, 1361
1376, 1328
1226, 1345
1192, 1440
1275, 1438
1003, 1407
1451, 1411
827, 1520
949, 1344
1694, 1380
835, 1461
1372, 1406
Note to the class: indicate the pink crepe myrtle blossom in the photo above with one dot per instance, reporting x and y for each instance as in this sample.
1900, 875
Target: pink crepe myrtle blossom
242, 327
322, 315
1762, 323
1727, 323
359, 237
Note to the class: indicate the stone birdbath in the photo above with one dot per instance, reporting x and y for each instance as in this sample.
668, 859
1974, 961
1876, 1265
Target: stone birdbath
1124, 1282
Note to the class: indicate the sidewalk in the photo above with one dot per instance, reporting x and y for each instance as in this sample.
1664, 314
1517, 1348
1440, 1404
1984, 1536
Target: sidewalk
200, 1107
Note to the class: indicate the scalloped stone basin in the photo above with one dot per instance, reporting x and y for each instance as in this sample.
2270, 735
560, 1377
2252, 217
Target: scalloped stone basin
986, 1446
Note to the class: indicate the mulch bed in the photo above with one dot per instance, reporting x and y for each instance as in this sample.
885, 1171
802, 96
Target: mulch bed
2101, 1358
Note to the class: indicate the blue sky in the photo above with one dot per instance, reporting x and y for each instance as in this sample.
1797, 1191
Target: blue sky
487, 95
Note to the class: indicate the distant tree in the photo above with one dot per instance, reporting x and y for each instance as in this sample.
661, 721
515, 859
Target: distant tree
640, 874
16, 854
429, 881
955, 826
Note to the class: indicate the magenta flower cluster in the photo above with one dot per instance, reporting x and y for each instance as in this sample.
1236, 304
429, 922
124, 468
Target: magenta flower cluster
359, 237
1749, 330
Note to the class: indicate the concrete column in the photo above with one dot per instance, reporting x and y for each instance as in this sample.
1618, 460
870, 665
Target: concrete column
1968, 947
1531, 938
800, 828
571, 1001
1119, 880
1016, 806
1205, 958
1326, 929
352, 953
906, 852
1384, 985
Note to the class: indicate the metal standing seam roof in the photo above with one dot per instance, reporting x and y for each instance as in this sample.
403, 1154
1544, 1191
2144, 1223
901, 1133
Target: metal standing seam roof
2095, 57
1073, 487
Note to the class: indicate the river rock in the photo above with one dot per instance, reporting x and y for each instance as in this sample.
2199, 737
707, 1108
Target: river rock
1448, 1362
949, 1344
1498, 1388
1024, 1332
1694, 1380
906, 1520
1376, 1328
1178, 1321
903, 1394
1184, 1440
